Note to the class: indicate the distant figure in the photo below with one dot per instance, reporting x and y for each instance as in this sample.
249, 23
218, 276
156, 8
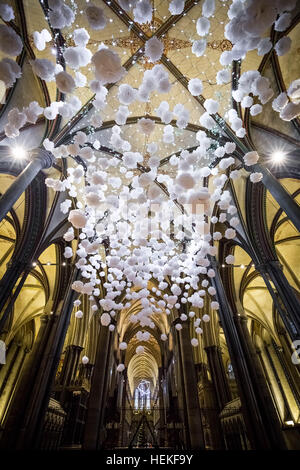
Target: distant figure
2, 352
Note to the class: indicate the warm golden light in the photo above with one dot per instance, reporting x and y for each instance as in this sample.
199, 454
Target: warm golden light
290, 423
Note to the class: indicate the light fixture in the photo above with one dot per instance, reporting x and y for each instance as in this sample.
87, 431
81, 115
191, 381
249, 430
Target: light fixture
278, 156
18, 152
242, 266
290, 423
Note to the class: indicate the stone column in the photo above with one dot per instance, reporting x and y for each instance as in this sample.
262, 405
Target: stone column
291, 371
95, 403
12, 379
20, 400
25, 424
6, 288
102, 429
120, 387
21, 261
262, 430
284, 199
123, 402
218, 375
281, 382
210, 408
268, 410
32, 429
40, 159
195, 431
179, 389
162, 410
10, 358
288, 305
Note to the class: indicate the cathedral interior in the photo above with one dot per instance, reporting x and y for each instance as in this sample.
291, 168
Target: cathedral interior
100, 349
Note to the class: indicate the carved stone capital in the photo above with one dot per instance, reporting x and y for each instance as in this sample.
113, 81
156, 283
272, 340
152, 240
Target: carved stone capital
44, 318
43, 155
266, 265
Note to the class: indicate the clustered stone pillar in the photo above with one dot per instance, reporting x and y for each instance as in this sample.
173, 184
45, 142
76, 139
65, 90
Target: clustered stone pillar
20, 264
258, 410
41, 159
190, 389
178, 392
210, 408
272, 271
24, 426
21, 398
218, 375
93, 424
292, 371
162, 408
6, 286
284, 199
15, 361
123, 402
268, 409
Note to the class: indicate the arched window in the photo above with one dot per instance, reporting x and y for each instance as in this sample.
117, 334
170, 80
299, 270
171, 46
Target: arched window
148, 401
2, 352
136, 399
230, 371
142, 396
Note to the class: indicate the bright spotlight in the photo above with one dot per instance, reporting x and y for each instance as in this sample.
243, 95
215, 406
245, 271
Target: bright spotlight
290, 423
278, 156
19, 152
